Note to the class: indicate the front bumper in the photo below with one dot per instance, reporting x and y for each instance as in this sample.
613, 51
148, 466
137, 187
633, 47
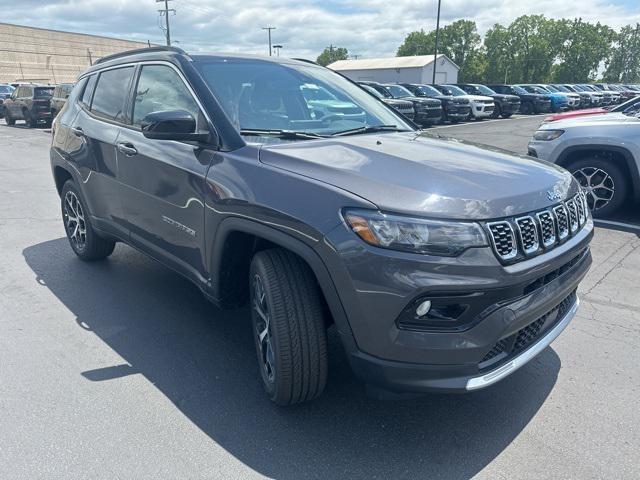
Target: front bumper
510, 108
482, 110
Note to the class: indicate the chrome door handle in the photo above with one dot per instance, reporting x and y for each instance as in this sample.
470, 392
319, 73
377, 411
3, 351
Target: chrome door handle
77, 131
128, 149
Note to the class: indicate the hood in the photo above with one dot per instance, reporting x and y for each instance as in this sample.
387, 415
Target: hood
536, 96
477, 98
614, 118
423, 100
503, 97
423, 175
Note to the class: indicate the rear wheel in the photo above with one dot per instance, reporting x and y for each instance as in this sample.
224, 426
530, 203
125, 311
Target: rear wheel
604, 183
288, 327
526, 108
84, 240
8, 118
30, 120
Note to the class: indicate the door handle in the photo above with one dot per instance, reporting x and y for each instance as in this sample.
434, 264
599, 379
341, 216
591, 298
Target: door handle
128, 149
77, 131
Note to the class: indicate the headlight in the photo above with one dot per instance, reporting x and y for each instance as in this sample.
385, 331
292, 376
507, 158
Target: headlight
547, 135
417, 235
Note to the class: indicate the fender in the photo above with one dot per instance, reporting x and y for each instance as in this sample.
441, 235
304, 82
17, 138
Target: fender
306, 252
631, 163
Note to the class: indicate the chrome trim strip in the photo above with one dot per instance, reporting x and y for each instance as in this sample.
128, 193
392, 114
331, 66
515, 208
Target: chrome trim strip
508, 368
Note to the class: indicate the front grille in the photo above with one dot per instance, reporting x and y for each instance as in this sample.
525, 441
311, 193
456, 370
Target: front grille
524, 338
521, 237
504, 240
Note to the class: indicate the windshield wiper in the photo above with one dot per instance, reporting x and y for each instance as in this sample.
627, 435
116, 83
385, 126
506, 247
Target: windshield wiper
370, 129
286, 134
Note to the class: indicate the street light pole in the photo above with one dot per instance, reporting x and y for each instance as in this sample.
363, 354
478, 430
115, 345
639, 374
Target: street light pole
435, 54
268, 29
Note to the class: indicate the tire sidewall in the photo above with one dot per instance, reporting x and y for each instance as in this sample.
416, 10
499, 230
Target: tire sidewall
90, 235
616, 174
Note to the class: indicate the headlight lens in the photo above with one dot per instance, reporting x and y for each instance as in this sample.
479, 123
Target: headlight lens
547, 135
412, 234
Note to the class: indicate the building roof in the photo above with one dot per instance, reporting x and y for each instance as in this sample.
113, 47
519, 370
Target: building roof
415, 61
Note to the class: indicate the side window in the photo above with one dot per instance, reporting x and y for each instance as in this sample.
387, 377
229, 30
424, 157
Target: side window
88, 91
161, 88
111, 93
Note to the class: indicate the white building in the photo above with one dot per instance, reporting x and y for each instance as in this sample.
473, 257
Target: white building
415, 69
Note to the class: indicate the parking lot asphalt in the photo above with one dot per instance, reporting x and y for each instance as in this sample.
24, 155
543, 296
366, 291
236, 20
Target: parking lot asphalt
121, 369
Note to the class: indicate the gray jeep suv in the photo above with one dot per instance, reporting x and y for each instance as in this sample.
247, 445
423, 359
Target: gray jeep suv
442, 266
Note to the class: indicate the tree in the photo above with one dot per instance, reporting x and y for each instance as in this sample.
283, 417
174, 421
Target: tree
498, 54
624, 64
332, 54
459, 41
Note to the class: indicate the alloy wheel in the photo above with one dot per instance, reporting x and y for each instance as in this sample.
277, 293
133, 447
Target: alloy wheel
263, 329
598, 185
74, 221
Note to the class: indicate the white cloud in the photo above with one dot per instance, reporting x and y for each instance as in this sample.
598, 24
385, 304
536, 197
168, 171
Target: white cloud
366, 27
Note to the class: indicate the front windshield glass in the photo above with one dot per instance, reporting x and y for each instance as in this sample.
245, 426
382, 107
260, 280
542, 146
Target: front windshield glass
372, 90
519, 90
6, 89
263, 95
551, 89
455, 91
428, 90
561, 88
485, 90
397, 91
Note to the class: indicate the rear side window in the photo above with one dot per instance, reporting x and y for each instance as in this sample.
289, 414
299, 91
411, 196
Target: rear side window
111, 92
161, 88
88, 91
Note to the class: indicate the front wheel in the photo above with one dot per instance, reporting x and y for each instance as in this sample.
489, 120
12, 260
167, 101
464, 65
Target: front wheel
84, 240
8, 118
497, 111
526, 108
604, 184
288, 327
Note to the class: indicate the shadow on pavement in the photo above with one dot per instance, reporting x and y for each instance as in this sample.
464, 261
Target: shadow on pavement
203, 360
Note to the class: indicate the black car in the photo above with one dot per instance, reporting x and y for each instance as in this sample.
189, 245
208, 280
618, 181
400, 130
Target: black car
505, 104
405, 107
427, 111
529, 102
5, 92
455, 109
60, 95
31, 103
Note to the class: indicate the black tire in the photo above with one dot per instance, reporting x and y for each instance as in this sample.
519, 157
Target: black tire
593, 171
497, 111
92, 247
9, 119
292, 354
526, 108
507, 115
29, 119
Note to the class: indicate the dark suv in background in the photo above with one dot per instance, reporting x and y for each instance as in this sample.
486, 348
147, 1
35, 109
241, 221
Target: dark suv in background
405, 107
440, 265
59, 97
505, 105
428, 111
455, 109
5, 92
31, 103
529, 102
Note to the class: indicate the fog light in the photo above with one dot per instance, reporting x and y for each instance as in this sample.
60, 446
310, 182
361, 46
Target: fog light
423, 308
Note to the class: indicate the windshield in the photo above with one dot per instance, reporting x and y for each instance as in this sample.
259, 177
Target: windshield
589, 88
562, 88
453, 90
43, 92
6, 89
372, 91
532, 89
397, 91
428, 90
519, 90
268, 96
551, 88
485, 90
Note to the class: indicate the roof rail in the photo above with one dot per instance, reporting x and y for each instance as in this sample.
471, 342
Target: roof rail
126, 53
306, 61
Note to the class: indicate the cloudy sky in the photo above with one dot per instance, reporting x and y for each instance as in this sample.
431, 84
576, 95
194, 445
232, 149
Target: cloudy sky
369, 28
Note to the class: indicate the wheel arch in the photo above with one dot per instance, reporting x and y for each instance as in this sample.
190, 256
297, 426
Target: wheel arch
238, 239
61, 175
620, 154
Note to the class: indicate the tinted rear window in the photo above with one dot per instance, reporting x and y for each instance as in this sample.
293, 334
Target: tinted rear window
111, 92
43, 92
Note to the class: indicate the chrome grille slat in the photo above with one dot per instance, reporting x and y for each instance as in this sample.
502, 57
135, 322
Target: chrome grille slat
547, 228
528, 233
503, 239
582, 206
573, 215
562, 221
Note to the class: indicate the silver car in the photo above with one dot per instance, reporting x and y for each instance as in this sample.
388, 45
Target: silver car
602, 152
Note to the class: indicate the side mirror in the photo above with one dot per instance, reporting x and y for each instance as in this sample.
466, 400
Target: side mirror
172, 125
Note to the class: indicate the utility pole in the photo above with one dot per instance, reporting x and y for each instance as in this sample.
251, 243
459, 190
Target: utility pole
435, 54
268, 29
165, 12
